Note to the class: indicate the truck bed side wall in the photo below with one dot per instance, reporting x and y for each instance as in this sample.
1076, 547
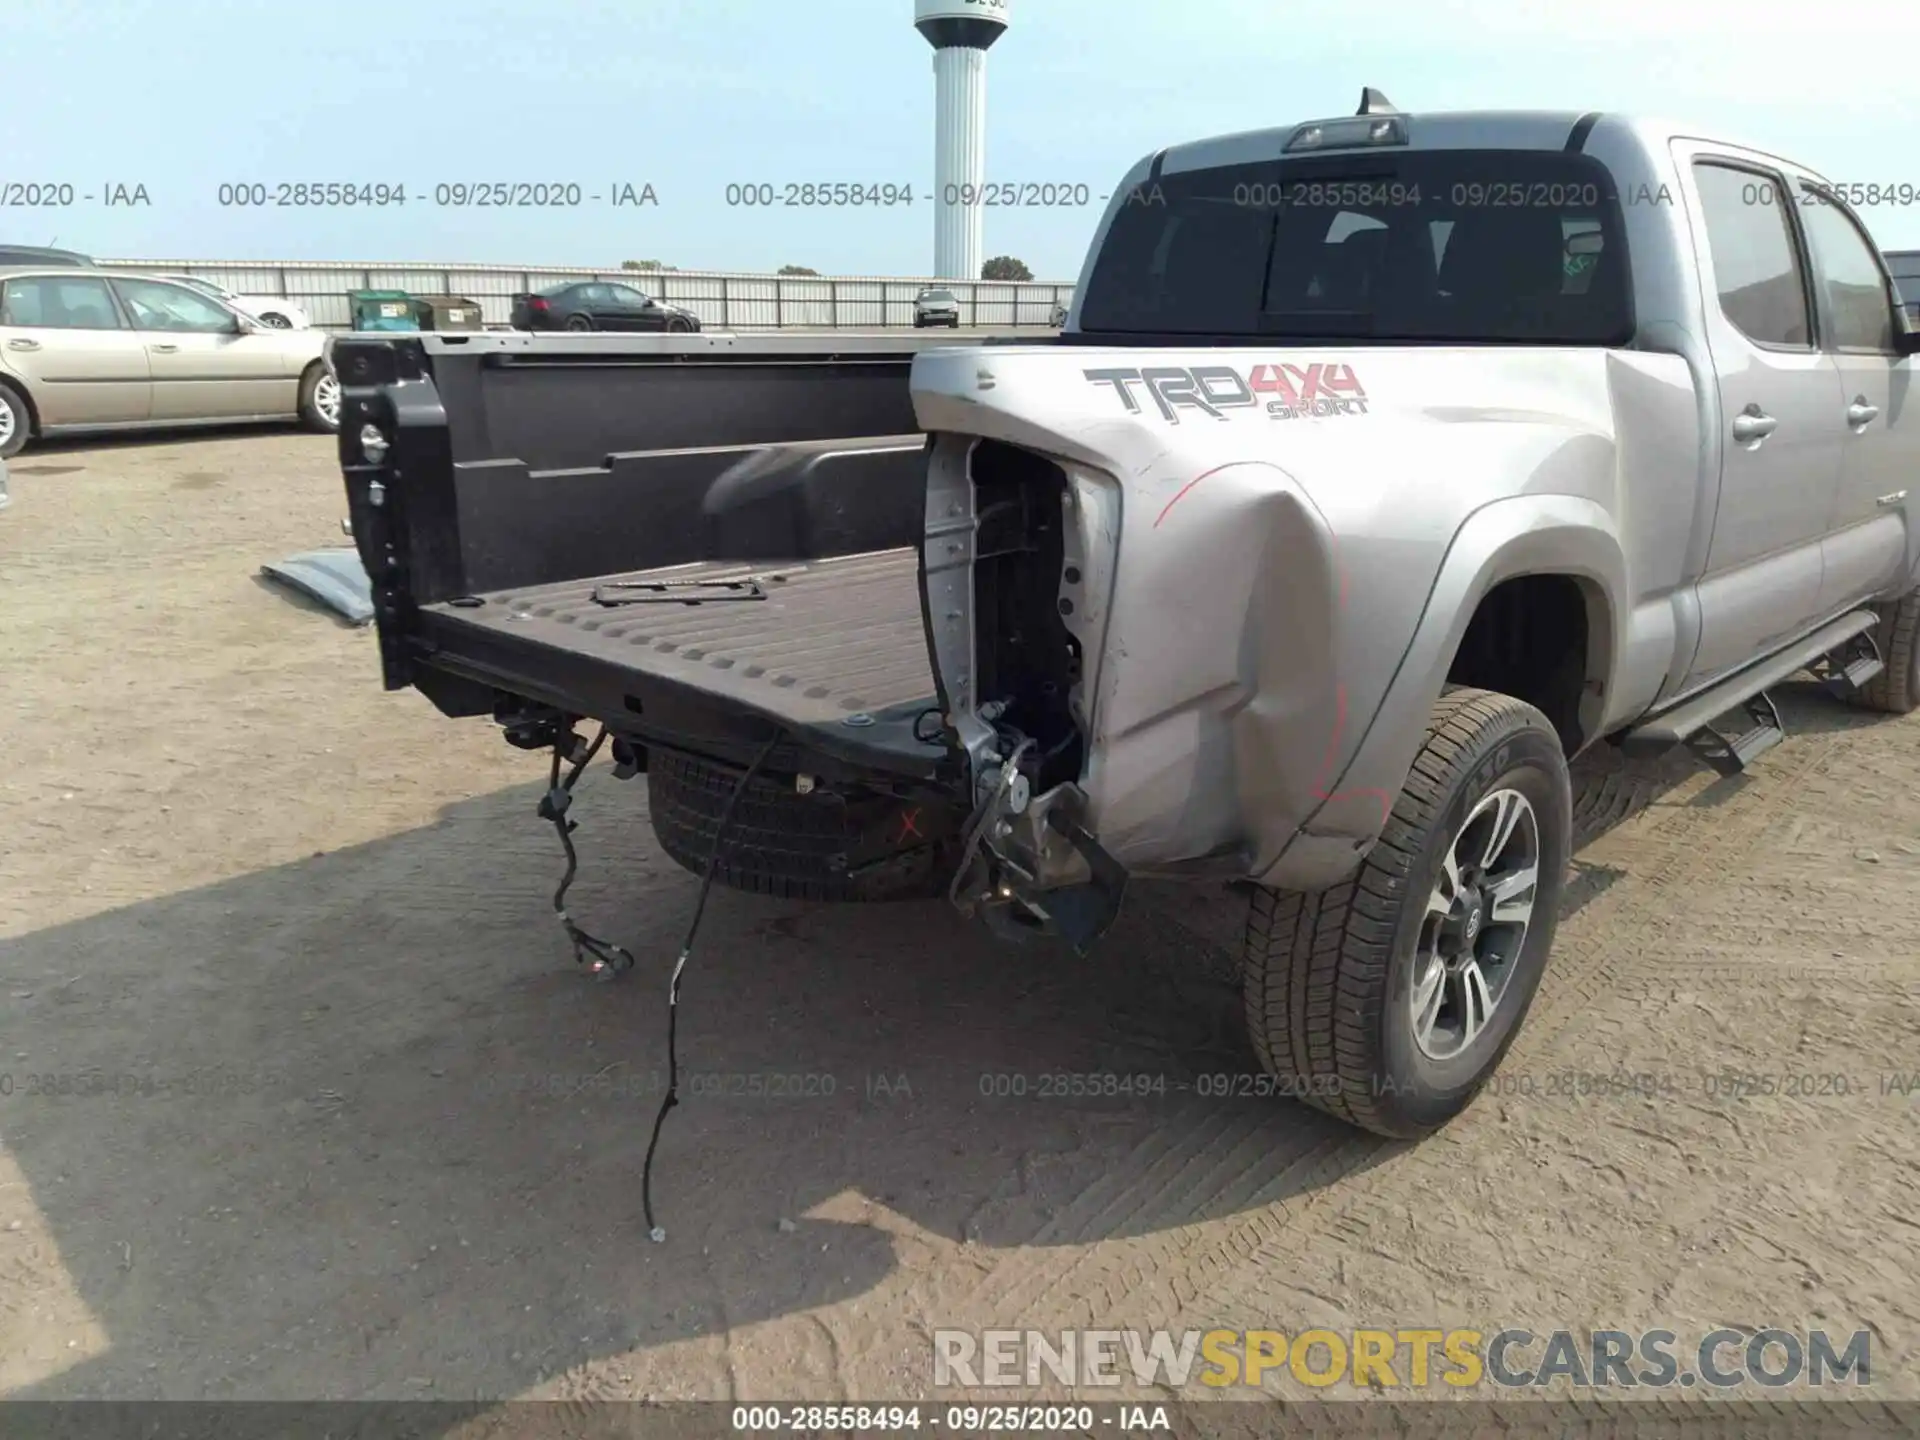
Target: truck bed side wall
524, 472
513, 471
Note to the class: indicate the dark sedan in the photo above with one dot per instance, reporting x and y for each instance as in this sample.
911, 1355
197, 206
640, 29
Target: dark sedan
42, 255
598, 305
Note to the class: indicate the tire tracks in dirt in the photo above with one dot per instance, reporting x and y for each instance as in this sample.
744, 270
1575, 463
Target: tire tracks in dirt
1071, 1276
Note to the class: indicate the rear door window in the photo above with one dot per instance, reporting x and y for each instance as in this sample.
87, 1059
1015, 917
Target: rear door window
1756, 267
58, 303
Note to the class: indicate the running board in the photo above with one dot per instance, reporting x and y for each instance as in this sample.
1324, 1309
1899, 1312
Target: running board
1730, 754
1847, 670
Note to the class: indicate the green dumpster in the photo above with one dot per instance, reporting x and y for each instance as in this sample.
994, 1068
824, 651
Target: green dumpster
447, 312
382, 310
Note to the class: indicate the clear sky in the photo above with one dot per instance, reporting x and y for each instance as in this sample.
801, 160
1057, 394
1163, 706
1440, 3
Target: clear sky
690, 96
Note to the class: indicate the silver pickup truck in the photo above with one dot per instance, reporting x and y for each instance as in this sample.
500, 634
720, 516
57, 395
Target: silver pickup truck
1385, 463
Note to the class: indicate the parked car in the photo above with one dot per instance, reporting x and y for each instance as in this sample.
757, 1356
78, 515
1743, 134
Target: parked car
43, 256
1308, 559
936, 307
273, 310
110, 349
599, 305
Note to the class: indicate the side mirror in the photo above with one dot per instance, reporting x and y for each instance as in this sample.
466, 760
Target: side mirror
1906, 328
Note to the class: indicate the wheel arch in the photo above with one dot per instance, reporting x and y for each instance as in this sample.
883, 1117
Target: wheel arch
26, 399
1554, 539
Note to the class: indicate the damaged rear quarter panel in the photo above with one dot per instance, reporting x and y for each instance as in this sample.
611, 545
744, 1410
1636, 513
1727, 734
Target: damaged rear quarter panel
1272, 572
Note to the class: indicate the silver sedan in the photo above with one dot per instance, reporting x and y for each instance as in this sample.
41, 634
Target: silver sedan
85, 350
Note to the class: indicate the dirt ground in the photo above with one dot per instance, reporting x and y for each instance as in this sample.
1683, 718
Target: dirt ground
344, 1121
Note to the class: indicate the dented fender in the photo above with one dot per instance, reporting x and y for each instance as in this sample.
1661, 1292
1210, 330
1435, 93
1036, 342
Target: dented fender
1531, 534
1270, 561
1215, 696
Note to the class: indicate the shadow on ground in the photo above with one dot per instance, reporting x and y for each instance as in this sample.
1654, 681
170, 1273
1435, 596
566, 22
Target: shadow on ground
357, 1121
363, 1107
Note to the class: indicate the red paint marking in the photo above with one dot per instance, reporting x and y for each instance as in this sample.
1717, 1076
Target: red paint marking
1320, 791
909, 826
1195, 481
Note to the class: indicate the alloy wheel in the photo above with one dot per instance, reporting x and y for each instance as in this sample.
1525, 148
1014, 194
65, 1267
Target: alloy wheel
1475, 925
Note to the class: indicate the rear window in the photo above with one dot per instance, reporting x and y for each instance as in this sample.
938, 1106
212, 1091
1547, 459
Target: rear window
1440, 245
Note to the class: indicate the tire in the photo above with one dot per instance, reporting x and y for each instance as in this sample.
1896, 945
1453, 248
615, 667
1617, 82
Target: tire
579, 322
679, 327
320, 399
779, 842
1328, 976
1896, 689
275, 320
16, 421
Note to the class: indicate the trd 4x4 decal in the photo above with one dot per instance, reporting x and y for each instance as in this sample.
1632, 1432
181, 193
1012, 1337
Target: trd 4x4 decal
1289, 392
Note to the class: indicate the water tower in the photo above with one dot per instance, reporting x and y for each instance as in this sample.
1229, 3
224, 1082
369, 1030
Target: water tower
960, 31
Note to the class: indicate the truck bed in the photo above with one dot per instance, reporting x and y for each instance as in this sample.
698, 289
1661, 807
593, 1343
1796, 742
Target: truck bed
832, 641
514, 478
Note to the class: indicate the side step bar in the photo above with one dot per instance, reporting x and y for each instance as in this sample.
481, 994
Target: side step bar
1834, 652
1845, 671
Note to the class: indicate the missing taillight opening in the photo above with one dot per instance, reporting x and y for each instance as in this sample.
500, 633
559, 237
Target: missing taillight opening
1026, 656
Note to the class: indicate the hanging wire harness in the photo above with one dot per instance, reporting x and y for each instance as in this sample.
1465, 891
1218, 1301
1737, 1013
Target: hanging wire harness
603, 958
607, 960
655, 1232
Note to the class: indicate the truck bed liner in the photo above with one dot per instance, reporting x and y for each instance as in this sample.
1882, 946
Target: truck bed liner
832, 638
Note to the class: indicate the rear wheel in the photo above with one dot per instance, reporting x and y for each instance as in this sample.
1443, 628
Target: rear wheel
779, 842
1390, 1000
16, 421
579, 322
320, 398
275, 320
1896, 689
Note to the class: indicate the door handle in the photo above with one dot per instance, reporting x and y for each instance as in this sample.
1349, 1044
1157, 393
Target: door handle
1861, 413
1753, 424
23, 344
164, 349
1889, 500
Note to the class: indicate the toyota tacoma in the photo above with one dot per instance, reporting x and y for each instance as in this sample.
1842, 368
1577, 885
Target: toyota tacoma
1386, 462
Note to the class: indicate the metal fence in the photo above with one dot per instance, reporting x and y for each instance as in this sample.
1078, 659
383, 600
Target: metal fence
722, 300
